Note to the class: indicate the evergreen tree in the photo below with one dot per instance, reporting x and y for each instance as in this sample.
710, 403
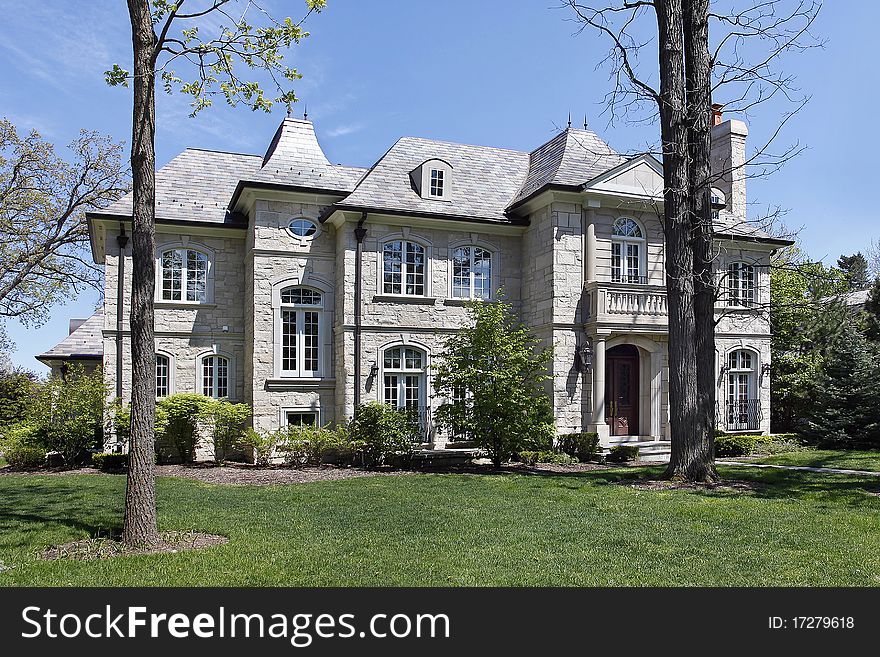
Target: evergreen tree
855, 269
872, 312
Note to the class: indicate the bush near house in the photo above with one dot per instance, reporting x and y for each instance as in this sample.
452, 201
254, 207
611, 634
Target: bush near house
180, 433
583, 445
529, 457
24, 456
226, 422
263, 444
17, 393
109, 462
381, 433
623, 453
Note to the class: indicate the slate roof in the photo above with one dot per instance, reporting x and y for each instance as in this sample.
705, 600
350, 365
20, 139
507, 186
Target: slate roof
195, 186
484, 180
572, 157
86, 341
728, 224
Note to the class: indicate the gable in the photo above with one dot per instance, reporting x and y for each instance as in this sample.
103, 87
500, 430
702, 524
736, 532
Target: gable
639, 177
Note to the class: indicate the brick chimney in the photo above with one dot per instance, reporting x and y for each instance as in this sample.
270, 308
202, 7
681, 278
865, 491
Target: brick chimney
728, 160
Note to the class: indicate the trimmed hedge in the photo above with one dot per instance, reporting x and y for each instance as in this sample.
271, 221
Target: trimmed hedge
583, 445
529, 457
623, 453
107, 461
24, 456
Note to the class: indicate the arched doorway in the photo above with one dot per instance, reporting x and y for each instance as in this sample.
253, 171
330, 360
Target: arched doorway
622, 390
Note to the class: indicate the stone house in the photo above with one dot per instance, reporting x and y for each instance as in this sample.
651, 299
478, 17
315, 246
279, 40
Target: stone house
304, 288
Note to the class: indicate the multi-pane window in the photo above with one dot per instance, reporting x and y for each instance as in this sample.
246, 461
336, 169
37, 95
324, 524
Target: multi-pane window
163, 376
403, 268
627, 252
301, 418
300, 325
184, 275
437, 182
742, 398
215, 376
404, 377
740, 284
471, 273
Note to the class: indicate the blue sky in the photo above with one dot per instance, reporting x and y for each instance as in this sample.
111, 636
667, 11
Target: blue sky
496, 72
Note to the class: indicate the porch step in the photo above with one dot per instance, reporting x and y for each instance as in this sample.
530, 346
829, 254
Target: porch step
650, 451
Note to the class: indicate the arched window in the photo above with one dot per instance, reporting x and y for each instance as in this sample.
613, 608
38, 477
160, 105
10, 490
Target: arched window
627, 252
740, 284
404, 384
471, 273
300, 317
184, 275
163, 376
215, 376
403, 268
742, 394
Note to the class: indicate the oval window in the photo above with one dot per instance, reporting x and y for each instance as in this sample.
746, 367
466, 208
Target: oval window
303, 227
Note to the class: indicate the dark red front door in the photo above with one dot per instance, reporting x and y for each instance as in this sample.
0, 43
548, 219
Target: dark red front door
622, 391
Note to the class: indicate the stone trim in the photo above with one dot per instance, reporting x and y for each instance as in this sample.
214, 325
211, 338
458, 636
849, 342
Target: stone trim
299, 384
404, 298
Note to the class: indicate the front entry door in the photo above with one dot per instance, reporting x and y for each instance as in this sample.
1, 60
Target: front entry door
622, 391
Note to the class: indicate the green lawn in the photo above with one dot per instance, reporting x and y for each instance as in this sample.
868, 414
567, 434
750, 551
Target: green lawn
580, 529
828, 458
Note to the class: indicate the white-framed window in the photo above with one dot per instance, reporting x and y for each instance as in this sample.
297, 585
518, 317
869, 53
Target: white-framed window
296, 417
740, 284
437, 182
628, 252
183, 275
404, 268
163, 376
215, 376
742, 408
303, 228
300, 315
471, 273
403, 370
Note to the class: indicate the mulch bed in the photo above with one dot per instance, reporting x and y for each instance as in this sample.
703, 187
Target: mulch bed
105, 548
664, 484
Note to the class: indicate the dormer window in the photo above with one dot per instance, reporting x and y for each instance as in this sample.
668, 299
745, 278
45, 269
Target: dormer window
437, 182
432, 180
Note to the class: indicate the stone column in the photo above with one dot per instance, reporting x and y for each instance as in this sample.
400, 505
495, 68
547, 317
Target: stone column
599, 425
590, 245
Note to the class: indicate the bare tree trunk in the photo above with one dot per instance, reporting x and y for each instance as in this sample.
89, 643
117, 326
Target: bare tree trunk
140, 527
700, 451
677, 230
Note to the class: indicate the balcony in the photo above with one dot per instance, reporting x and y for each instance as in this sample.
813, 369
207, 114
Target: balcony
612, 303
741, 415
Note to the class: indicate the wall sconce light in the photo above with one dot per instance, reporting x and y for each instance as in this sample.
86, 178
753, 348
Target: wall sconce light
374, 370
724, 369
583, 357
765, 368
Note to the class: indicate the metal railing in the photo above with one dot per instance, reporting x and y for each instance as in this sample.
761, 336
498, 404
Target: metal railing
628, 278
741, 415
421, 421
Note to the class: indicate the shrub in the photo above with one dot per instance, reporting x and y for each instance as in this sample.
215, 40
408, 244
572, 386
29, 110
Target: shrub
263, 443
181, 425
69, 412
380, 431
109, 462
17, 393
21, 434
623, 453
530, 457
23, 456
735, 445
227, 422
583, 445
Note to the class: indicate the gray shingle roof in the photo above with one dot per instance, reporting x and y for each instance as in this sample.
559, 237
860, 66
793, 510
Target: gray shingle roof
87, 341
572, 157
295, 158
195, 186
728, 224
484, 180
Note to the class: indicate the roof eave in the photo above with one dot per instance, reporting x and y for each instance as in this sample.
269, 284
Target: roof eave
515, 221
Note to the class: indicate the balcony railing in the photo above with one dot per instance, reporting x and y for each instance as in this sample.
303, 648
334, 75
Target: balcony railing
741, 415
628, 278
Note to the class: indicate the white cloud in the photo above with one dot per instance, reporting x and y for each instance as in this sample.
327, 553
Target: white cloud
341, 130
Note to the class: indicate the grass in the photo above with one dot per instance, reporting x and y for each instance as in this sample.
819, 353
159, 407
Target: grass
828, 458
436, 529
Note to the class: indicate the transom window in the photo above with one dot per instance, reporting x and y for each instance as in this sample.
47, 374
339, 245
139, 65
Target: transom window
215, 376
437, 182
184, 275
471, 273
300, 317
403, 268
303, 228
163, 376
740, 284
627, 252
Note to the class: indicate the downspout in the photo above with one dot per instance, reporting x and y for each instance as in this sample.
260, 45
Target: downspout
122, 241
359, 233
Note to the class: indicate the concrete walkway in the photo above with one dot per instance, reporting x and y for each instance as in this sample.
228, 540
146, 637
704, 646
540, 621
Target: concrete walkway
805, 468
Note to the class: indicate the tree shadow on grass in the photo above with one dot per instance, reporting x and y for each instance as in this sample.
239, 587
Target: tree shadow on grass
32, 507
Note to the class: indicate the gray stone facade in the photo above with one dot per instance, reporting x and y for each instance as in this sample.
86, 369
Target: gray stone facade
552, 257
